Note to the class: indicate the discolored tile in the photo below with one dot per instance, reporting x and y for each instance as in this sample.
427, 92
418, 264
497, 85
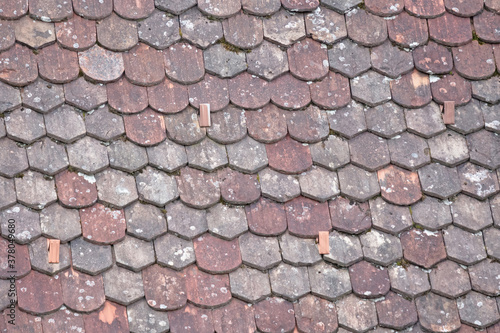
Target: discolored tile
385, 120
478, 181
423, 248
396, 312
101, 65
223, 62
211, 90
289, 282
102, 225
14, 9
247, 156
289, 156
50, 10
378, 155
310, 125
142, 318
410, 281
33, 33
250, 285
471, 214
349, 58
319, 184
236, 316
76, 190
424, 9
331, 153
24, 125
216, 255
258, 214
433, 59
82, 292
123, 286
90, 258
390, 60
451, 88
184, 63
357, 314
267, 125
349, 216
207, 290
483, 277
238, 188
243, 31
112, 318
381, 248
84, 95
175, 7
146, 128
228, 126
439, 181
484, 24
469, 118
464, 9
165, 289
93, 9
174, 252
134, 254
388, 217
325, 25
478, 310
117, 34
159, 30
412, 90
76, 34
144, 65
34, 191
8, 193
167, 156
220, 8
277, 186
197, 188
57, 65
399, 186
116, 188
199, 29
308, 60
248, 91
474, 61
27, 222
289, 92
464, 247
431, 213
191, 319
179, 123
39, 293
8, 33
104, 125
130, 9
345, 250
261, 7
145, 221
450, 30
485, 90
298, 251
267, 61
65, 124
328, 282
16, 74
384, 8
156, 187
284, 29
227, 222
365, 28
449, 279
306, 217
126, 156
371, 88
184, 221
426, 122
369, 280
42, 96
60, 223
358, 184
258, 252
87, 155
332, 92
274, 315
166, 97
61, 319
483, 149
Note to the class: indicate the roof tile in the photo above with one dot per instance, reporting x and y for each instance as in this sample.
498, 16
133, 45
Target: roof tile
345, 250
90, 258
39, 255
471, 214
197, 188
464, 247
433, 59
341, 6
88, 155
267, 61
123, 286
399, 186
449, 29
174, 252
356, 314
307, 217
177, 215
166, 97
483, 277
349, 216
220, 8
102, 225
227, 222
298, 251
221, 61
328, 282
451, 87
24, 321
469, 118
369, 280
230, 126
325, 25
61, 320
431, 213
207, 290
41, 96
165, 289
117, 34
39, 293
277, 186
76, 190
426, 121
156, 187
274, 315
130, 9
483, 146
410, 281
85, 95
167, 156
390, 60
299, 5
211, 90
144, 65
27, 221
126, 156
289, 156
159, 30
284, 28
266, 217
332, 92
8, 193
33, 33
65, 124
238, 188
478, 310
20, 72
243, 31
484, 25
477, 181
19, 268
77, 33
34, 191
385, 120
331, 153
409, 151
51, 10
184, 63
82, 292
289, 92
104, 125
250, 285
216, 255
101, 65
58, 65
425, 9
423, 248
199, 29
396, 312
358, 184
60, 223
139, 318
412, 90
248, 155
308, 60
134, 254
319, 184
448, 148
145, 221
365, 28
234, 317
191, 319
261, 7
384, 7
349, 58
467, 9
289, 282
267, 125
146, 128
116, 188
93, 9
369, 151
310, 125
449, 285
248, 91
14, 9
485, 90
371, 88
490, 239
388, 217
112, 318
474, 61
24, 125
262, 253
381, 248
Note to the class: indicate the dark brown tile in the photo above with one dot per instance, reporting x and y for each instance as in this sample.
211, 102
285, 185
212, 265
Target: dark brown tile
191, 319
198, 189
274, 315
399, 186
412, 90
184, 63
25, 323
14, 9
133, 10
82, 292
238, 188
165, 289
76, 190
111, 318
101, 65
244, 31
126, 97
207, 290
216, 255
234, 317
450, 30
248, 91
396, 312
59, 321
39, 293
437, 313
289, 156
384, 7
146, 128
58, 65
325, 25
76, 34
423, 248
8, 33
484, 25
425, 9
433, 59
289, 92
464, 9
266, 217
144, 65
33, 33
84, 95
369, 280
452, 87
306, 217
268, 124
366, 29
332, 92
474, 61
314, 314
408, 31
167, 97
93, 9
308, 60
13, 72
211, 90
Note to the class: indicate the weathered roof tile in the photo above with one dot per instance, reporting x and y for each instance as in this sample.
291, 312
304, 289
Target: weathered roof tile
77, 33
101, 65
117, 34
365, 28
39, 293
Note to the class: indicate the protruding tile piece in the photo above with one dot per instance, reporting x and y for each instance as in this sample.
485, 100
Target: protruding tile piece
212, 90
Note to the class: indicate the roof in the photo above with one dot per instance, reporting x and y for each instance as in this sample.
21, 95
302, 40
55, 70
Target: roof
325, 117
